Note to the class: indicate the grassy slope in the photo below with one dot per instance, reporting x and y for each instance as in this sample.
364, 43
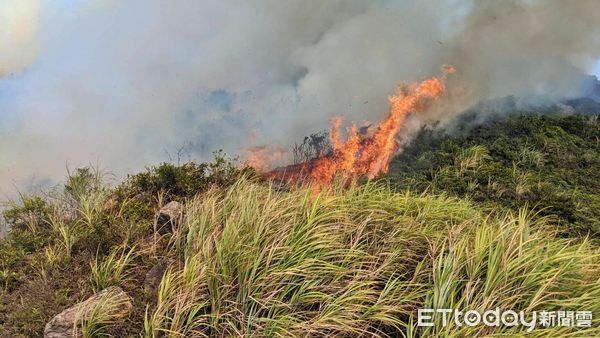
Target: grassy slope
253, 260
550, 162
360, 262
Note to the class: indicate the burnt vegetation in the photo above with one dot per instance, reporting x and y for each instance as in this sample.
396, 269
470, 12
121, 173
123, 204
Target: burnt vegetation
312, 146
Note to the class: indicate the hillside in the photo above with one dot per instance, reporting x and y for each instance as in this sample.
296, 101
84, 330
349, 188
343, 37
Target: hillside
549, 162
495, 214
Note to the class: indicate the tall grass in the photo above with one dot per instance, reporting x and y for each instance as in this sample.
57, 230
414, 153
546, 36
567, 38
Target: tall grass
94, 321
470, 159
65, 232
360, 262
112, 269
51, 259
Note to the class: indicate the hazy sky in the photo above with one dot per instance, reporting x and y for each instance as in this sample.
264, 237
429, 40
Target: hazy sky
125, 83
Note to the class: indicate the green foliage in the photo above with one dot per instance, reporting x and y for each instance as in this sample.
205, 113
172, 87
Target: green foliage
181, 181
358, 262
28, 233
51, 259
9, 279
27, 221
29, 214
169, 182
547, 161
112, 269
83, 182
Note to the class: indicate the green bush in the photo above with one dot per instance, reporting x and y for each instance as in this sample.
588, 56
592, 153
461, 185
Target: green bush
29, 214
549, 162
168, 181
182, 181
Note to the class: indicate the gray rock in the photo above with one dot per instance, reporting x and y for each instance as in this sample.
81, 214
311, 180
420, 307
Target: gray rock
66, 324
155, 275
169, 217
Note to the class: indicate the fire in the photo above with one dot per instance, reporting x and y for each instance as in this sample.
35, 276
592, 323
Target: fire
262, 157
361, 155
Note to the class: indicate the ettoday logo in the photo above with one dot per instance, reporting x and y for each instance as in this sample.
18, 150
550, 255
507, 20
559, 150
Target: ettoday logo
498, 317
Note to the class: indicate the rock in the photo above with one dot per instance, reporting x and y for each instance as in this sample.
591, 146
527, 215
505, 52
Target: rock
169, 217
155, 275
66, 323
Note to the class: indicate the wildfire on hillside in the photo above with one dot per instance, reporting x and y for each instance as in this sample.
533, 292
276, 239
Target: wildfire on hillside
364, 153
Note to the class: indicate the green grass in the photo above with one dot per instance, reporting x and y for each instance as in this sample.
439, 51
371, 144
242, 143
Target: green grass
261, 262
97, 320
112, 269
548, 161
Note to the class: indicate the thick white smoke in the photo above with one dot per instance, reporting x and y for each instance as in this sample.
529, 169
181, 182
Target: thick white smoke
124, 82
19, 22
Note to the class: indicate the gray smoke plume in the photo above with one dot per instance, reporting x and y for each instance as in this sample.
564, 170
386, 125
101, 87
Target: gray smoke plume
123, 83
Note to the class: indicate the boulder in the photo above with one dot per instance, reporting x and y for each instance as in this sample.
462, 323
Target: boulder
66, 324
169, 217
155, 275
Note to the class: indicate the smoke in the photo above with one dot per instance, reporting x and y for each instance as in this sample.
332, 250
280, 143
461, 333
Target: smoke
126, 83
19, 25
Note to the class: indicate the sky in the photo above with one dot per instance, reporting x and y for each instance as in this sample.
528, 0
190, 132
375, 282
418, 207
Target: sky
126, 84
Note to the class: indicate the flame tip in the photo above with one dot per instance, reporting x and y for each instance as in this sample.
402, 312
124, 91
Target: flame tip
366, 153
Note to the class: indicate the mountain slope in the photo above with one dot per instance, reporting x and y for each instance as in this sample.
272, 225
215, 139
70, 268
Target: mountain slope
550, 162
494, 215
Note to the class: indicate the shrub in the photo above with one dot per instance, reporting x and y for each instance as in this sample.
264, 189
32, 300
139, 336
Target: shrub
28, 215
171, 182
181, 181
547, 161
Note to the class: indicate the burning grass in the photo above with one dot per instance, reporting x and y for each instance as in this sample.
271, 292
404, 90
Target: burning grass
361, 154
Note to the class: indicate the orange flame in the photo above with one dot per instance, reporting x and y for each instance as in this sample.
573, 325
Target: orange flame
366, 155
262, 158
